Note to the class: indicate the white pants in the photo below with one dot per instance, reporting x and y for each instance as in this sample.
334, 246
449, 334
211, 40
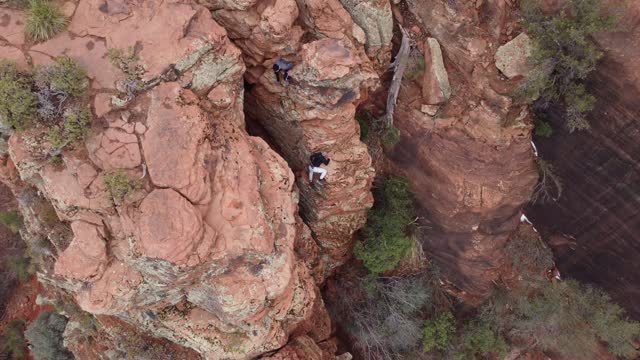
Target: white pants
318, 170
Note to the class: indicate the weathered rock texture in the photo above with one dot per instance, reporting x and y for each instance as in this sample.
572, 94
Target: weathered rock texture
204, 254
471, 166
593, 227
435, 85
512, 58
332, 75
317, 114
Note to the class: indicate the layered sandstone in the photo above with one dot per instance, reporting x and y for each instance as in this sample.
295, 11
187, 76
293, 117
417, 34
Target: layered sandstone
316, 113
470, 159
332, 75
203, 253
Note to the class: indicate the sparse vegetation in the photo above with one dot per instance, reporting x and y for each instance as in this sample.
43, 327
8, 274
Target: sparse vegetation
438, 332
387, 241
549, 185
383, 316
120, 185
73, 129
564, 55
11, 219
479, 341
64, 78
17, 103
45, 336
544, 129
129, 63
44, 20
13, 343
528, 253
565, 317
391, 137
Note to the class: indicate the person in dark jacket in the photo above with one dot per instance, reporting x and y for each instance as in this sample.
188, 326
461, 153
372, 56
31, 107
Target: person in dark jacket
282, 66
318, 159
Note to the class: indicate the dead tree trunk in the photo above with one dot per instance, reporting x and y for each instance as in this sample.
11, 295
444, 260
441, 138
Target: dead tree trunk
399, 65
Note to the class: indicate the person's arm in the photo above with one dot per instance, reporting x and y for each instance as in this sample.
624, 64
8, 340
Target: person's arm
276, 71
326, 161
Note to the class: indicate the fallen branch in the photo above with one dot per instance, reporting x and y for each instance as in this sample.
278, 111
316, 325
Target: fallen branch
399, 65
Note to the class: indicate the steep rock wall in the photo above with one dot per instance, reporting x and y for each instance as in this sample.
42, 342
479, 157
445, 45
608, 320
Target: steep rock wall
332, 75
202, 254
471, 162
593, 227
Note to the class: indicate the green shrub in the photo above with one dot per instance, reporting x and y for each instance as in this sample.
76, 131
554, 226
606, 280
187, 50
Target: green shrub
14, 343
386, 241
437, 333
564, 55
73, 129
480, 341
65, 75
45, 336
17, 103
120, 185
44, 20
391, 137
544, 129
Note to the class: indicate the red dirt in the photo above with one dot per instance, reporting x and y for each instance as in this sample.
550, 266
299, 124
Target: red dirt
22, 305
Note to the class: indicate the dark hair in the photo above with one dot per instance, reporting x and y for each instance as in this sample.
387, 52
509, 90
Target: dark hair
276, 67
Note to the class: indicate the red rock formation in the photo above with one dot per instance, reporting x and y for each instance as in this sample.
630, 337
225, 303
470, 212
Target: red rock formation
471, 165
332, 75
316, 113
203, 254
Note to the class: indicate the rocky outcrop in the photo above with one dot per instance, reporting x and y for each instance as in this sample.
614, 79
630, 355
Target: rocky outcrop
376, 19
513, 58
332, 75
316, 113
472, 164
203, 253
435, 85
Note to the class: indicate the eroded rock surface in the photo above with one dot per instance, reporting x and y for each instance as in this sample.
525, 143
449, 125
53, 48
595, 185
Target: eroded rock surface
471, 165
317, 114
205, 252
513, 58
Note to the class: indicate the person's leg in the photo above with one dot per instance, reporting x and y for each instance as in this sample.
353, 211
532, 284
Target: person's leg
285, 76
277, 72
310, 173
322, 172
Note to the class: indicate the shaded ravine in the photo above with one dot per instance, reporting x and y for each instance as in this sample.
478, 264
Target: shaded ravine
599, 206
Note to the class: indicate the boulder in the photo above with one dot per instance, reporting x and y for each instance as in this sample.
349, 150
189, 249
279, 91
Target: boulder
513, 58
86, 256
435, 83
